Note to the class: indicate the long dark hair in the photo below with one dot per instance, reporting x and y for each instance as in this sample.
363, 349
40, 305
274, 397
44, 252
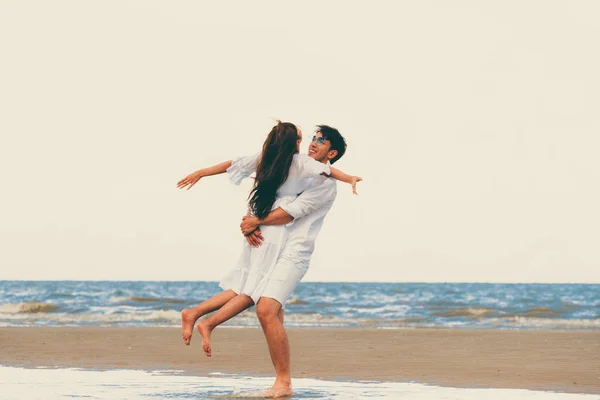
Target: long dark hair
273, 167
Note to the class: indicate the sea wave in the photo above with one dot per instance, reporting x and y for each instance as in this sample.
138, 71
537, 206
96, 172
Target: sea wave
473, 312
155, 300
540, 311
118, 299
139, 299
27, 308
163, 316
296, 300
536, 312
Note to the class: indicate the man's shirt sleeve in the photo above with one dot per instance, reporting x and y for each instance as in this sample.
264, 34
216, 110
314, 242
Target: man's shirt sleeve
317, 196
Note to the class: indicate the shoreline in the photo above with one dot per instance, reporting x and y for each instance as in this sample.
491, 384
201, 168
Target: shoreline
562, 361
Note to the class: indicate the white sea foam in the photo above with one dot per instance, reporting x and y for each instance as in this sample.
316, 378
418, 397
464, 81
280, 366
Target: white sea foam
87, 294
26, 292
40, 314
164, 316
296, 300
556, 323
118, 299
25, 384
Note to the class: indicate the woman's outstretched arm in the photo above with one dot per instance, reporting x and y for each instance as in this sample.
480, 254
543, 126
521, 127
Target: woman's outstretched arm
344, 177
194, 177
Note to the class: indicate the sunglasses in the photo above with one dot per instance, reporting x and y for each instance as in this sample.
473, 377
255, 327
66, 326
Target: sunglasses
319, 140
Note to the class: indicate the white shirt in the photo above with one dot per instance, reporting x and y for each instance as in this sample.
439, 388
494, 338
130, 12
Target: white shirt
309, 210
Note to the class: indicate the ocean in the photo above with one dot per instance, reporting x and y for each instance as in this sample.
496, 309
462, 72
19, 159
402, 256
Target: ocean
367, 305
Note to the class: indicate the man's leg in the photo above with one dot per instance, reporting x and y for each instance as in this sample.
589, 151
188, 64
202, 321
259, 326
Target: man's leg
233, 307
189, 316
270, 314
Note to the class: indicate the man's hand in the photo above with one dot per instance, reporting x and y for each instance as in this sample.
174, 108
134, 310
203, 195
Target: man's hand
255, 239
249, 224
353, 182
189, 180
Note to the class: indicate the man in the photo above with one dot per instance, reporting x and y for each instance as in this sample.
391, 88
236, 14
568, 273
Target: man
305, 216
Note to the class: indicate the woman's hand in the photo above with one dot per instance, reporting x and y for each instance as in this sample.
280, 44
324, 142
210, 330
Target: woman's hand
353, 182
255, 239
190, 180
249, 225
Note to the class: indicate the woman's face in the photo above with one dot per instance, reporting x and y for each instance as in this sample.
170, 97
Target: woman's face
299, 139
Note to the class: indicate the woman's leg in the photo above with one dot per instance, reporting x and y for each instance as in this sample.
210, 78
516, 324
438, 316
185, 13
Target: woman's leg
189, 316
233, 307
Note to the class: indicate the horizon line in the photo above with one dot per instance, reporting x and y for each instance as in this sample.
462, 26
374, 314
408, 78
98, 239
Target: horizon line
311, 281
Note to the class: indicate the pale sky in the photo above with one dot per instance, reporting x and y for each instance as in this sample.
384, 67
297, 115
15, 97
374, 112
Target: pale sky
475, 125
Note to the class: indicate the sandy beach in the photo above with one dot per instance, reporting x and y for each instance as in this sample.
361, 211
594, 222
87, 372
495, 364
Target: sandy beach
566, 361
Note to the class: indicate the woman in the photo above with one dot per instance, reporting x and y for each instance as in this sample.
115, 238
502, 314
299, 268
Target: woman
281, 174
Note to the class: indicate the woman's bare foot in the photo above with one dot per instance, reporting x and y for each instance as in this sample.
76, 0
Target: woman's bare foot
205, 332
188, 319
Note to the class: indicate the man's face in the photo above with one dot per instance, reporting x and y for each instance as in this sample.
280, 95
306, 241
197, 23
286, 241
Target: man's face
319, 149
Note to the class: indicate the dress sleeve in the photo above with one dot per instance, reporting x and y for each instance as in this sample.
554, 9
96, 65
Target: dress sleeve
242, 167
309, 167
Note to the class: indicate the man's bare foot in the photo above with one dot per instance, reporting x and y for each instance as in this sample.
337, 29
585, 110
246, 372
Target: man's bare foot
188, 319
281, 388
205, 332
280, 391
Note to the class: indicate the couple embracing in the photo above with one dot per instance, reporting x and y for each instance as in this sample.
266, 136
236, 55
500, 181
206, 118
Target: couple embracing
290, 197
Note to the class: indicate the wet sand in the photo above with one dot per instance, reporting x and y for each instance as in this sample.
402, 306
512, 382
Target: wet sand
566, 361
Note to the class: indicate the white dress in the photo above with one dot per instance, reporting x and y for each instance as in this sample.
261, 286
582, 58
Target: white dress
255, 265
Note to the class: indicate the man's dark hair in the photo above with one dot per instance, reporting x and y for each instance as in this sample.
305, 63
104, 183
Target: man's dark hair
336, 140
